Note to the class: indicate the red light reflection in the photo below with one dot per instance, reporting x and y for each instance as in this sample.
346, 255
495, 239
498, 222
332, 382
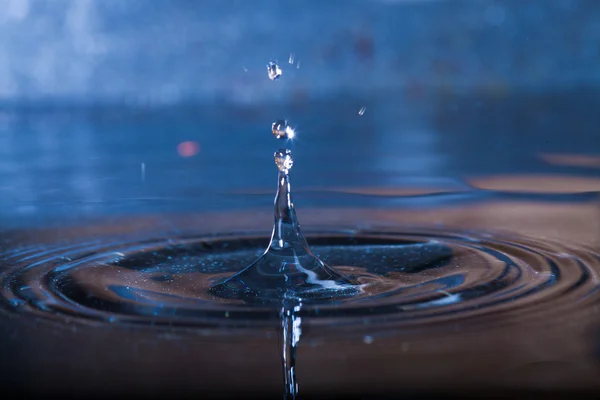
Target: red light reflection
188, 149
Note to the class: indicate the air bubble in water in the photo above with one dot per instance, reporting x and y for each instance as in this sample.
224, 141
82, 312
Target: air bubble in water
274, 70
281, 129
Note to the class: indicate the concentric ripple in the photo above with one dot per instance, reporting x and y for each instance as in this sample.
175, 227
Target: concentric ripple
413, 277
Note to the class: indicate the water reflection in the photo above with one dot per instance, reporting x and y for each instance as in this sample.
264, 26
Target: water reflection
89, 161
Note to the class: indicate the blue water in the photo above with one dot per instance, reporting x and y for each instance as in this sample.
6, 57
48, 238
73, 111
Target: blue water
68, 163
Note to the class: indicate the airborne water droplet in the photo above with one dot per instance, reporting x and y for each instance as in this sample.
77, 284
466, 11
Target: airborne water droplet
281, 129
274, 70
362, 110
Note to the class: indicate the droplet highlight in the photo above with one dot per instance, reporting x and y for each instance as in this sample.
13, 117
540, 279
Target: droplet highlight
282, 130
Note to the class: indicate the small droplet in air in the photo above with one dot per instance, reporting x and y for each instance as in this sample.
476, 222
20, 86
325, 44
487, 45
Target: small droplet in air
362, 110
273, 70
291, 59
281, 129
284, 160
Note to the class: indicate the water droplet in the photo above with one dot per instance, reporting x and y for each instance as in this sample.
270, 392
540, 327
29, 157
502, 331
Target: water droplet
368, 339
281, 129
291, 59
274, 70
362, 110
284, 160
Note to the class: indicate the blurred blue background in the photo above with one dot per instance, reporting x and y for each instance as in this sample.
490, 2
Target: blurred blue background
165, 52
119, 107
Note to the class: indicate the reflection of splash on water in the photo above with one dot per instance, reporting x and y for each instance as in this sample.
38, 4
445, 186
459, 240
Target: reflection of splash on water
291, 331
